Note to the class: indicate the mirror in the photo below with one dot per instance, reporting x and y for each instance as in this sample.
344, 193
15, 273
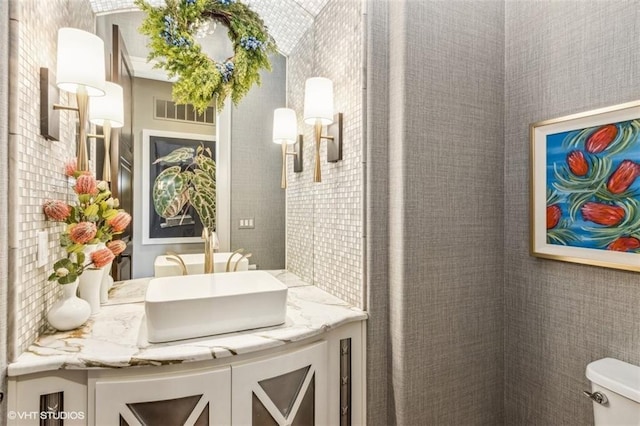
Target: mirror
253, 161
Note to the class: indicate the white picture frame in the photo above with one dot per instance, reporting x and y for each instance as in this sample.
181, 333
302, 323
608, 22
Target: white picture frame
222, 158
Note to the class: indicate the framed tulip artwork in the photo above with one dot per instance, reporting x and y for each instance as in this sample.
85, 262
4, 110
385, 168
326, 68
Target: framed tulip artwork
585, 188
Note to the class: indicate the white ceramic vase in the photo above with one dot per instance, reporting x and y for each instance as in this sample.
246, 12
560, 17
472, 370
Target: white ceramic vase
69, 311
89, 288
91, 280
107, 282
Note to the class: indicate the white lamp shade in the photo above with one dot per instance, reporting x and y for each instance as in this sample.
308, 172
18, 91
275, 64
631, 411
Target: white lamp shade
80, 61
285, 126
318, 100
108, 107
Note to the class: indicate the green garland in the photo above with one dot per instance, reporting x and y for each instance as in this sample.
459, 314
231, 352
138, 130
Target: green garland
172, 43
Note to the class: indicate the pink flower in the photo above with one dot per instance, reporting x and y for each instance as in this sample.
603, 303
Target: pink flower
102, 257
71, 167
56, 210
83, 232
86, 184
120, 221
116, 246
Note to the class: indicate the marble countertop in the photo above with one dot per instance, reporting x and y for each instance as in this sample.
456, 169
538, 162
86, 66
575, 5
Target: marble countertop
115, 337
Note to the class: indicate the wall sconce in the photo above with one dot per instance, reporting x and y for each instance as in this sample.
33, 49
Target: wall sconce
80, 70
107, 111
318, 110
285, 133
49, 116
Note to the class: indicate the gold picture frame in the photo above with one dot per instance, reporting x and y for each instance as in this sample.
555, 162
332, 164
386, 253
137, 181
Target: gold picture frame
585, 188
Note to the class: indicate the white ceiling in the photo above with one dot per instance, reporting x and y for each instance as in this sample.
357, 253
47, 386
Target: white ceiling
287, 20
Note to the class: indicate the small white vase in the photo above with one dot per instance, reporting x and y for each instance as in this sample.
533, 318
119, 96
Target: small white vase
69, 311
91, 279
90, 283
87, 250
107, 282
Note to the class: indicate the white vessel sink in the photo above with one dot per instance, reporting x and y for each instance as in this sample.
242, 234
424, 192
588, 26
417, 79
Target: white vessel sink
183, 307
165, 267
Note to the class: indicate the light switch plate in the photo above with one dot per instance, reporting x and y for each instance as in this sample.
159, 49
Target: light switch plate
43, 248
246, 223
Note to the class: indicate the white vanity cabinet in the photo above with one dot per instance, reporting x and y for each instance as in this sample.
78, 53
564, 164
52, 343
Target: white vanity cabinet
317, 381
200, 397
282, 390
46, 398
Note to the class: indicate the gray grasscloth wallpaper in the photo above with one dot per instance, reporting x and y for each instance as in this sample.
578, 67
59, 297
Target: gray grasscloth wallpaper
256, 171
446, 80
4, 190
561, 57
377, 219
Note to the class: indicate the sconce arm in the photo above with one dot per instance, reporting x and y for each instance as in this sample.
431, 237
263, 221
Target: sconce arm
65, 107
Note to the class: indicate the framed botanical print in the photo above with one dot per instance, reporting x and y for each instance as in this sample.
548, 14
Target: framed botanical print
185, 225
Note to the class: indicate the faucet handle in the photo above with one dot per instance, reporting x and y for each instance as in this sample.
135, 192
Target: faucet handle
228, 267
171, 255
246, 256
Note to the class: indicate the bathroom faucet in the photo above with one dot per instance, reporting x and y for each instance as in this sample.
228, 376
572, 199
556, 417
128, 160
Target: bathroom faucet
243, 256
176, 258
228, 267
246, 256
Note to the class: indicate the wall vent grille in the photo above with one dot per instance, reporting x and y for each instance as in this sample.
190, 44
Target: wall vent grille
169, 110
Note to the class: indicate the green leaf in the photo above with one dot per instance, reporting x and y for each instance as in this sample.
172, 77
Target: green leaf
91, 212
75, 248
178, 156
170, 192
205, 204
103, 196
207, 165
63, 263
84, 198
204, 180
110, 214
69, 279
65, 240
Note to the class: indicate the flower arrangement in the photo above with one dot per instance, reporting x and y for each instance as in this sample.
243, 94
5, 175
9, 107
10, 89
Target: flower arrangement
171, 30
94, 218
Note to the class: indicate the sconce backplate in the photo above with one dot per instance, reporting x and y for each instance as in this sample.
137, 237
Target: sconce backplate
334, 146
49, 96
297, 159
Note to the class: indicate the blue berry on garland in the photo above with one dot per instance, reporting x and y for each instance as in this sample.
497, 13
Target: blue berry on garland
226, 70
251, 43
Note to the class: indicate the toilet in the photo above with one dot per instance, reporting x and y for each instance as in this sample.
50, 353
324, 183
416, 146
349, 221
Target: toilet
615, 391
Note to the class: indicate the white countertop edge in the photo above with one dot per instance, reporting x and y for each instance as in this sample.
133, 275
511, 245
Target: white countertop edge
310, 312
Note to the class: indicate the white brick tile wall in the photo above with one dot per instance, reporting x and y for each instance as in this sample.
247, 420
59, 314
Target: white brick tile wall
324, 220
41, 162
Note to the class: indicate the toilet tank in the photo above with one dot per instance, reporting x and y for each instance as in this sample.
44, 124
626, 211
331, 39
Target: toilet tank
620, 383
